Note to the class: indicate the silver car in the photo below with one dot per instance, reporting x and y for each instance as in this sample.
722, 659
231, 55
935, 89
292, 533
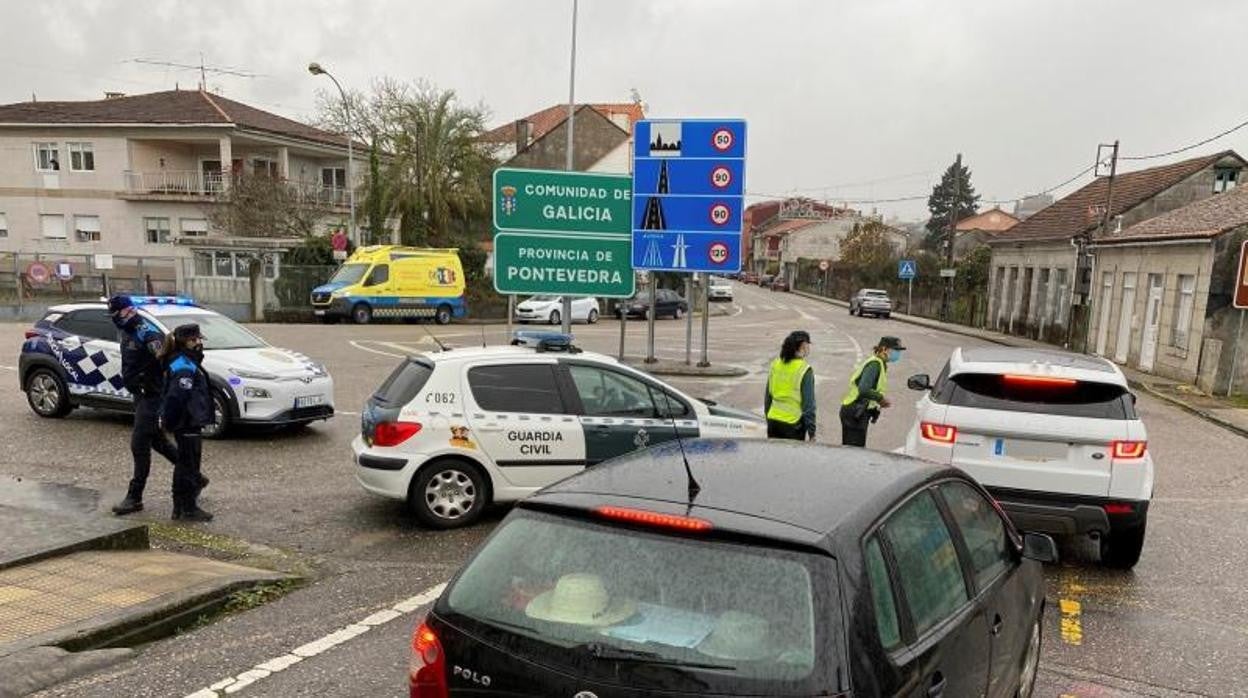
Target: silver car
870, 301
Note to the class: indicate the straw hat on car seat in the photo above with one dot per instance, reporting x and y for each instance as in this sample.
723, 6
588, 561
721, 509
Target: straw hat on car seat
580, 599
739, 636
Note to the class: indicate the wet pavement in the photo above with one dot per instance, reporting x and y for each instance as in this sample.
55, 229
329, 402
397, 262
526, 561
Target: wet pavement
1176, 625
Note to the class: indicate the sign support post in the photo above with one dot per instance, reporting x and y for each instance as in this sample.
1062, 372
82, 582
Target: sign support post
623, 323
706, 324
1239, 334
910, 296
654, 310
511, 312
567, 300
1239, 299
689, 322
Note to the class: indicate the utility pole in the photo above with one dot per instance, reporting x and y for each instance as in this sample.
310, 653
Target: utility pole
567, 300
1083, 279
953, 223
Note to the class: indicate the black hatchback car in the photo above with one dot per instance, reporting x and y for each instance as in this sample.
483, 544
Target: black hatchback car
794, 570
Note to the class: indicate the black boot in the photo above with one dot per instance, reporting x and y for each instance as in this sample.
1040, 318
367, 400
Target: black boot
203, 482
129, 505
193, 514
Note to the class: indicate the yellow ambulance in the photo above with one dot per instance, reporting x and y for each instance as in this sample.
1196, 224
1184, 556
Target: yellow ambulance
389, 281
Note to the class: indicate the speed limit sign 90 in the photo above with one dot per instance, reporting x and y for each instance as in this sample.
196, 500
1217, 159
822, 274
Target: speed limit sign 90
720, 213
721, 177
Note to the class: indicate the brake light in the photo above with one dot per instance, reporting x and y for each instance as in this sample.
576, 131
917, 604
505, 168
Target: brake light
1040, 381
32, 333
651, 518
427, 671
1128, 450
394, 433
1118, 508
940, 433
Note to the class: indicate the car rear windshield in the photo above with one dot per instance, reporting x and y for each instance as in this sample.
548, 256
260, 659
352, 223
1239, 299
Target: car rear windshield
1062, 397
729, 617
403, 383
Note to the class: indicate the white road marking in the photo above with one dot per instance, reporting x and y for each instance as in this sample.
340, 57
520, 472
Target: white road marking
359, 346
7, 368
263, 670
353, 414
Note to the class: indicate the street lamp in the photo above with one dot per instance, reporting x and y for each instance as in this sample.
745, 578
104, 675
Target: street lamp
316, 69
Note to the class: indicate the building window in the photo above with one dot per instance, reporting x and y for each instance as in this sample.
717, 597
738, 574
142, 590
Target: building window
81, 157
1185, 300
1224, 180
203, 263
53, 226
4, 226
87, 228
334, 177
157, 230
223, 264
194, 227
263, 167
46, 158
1060, 315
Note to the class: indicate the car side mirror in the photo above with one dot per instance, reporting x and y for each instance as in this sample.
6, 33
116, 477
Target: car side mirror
920, 381
1039, 547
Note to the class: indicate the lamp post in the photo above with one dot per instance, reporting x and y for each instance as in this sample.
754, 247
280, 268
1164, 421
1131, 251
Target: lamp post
316, 69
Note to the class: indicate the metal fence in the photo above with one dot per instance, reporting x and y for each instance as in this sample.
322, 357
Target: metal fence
968, 306
38, 279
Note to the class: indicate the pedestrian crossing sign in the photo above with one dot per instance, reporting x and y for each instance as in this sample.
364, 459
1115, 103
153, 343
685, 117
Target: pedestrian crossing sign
907, 269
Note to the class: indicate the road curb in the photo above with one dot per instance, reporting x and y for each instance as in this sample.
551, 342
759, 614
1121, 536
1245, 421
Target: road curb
920, 322
1188, 407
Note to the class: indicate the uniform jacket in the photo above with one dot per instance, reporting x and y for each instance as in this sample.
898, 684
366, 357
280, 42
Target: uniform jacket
141, 371
187, 403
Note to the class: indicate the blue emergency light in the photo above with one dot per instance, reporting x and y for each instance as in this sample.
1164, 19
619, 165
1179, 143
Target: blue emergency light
544, 341
161, 300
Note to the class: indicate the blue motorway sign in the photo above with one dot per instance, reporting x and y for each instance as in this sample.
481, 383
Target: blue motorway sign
688, 195
907, 269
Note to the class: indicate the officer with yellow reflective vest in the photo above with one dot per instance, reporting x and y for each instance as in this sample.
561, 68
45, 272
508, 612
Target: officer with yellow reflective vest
790, 399
867, 387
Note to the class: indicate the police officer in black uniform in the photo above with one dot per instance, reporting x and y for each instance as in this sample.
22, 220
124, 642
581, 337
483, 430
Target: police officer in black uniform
143, 376
186, 408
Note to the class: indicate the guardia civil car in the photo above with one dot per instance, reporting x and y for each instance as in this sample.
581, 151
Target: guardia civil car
71, 358
452, 431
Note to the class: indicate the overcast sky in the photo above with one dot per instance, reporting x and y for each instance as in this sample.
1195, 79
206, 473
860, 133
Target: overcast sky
845, 100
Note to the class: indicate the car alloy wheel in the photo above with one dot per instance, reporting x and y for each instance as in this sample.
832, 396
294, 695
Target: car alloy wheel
1031, 663
554, 317
45, 394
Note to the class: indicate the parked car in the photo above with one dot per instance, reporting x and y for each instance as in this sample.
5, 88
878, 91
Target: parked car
548, 309
871, 301
765, 280
450, 432
719, 289
72, 358
1053, 436
749, 277
779, 284
843, 572
667, 304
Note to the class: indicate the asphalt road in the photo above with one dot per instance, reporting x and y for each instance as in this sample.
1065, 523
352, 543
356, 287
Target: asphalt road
1177, 625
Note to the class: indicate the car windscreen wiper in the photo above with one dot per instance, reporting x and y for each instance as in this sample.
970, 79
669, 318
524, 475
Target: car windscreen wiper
611, 653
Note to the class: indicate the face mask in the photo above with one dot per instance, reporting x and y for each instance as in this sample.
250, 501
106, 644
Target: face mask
894, 355
804, 352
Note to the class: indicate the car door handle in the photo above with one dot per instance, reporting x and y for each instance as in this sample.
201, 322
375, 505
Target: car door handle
937, 688
490, 427
997, 623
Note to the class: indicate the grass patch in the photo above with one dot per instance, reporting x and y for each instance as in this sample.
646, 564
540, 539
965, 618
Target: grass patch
1240, 401
232, 549
198, 539
247, 599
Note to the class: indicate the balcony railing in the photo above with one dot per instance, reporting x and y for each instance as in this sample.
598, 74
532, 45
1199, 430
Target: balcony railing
182, 183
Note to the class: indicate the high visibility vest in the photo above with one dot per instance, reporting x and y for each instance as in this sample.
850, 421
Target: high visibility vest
881, 386
785, 386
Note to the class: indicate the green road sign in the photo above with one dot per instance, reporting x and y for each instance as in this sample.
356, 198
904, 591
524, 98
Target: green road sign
575, 265
564, 233
551, 201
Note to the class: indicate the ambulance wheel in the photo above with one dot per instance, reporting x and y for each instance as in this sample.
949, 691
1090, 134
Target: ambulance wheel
46, 394
593, 316
220, 417
448, 493
443, 316
554, 317
362, 314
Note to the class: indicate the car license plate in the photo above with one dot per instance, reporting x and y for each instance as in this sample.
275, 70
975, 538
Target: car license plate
318, 312
309, 401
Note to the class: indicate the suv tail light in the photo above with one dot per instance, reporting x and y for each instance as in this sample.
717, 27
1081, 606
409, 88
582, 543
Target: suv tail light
394, 433
427, 671
939, 433
32, 333
1128, 450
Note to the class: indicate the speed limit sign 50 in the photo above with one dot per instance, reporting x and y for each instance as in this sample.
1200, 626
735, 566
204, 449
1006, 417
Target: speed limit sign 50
722, 139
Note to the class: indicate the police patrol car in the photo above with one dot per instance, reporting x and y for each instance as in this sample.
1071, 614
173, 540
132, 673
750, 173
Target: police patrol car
453, 431
71, 358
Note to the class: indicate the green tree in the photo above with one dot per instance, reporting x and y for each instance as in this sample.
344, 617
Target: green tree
867, 246
955, 183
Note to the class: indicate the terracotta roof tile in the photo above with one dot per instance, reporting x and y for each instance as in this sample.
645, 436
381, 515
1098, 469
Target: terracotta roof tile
1077, 213
548, 119
1206, 218
991, 221
169, 107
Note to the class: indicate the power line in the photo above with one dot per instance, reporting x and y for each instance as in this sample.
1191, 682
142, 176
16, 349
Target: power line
1186, 148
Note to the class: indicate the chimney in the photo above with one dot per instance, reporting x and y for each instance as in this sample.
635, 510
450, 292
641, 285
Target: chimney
524, 131
114, 95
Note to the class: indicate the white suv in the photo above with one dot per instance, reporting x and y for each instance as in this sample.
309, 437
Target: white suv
452, 431
1053, 436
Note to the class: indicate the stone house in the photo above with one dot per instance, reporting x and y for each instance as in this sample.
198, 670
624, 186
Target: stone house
603, 135
1164, 290
1032, 285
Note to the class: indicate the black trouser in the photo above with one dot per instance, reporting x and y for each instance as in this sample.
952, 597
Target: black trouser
145, 438
853, 426
186, 477
781, 430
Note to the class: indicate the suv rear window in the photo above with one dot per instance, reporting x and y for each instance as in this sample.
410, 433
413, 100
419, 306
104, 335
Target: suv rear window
991, 391
552, 585
403, 383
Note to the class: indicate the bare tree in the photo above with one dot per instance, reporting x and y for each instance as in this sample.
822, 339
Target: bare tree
264, 207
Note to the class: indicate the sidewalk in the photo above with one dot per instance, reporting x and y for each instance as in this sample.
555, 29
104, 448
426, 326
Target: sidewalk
1225, 413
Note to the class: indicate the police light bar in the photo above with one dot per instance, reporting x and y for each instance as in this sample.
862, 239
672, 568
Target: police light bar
543, 341
161, 300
